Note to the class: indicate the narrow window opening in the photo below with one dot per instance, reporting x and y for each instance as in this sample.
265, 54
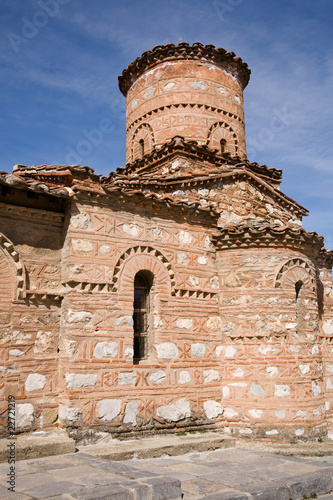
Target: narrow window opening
223, 144
300, 308
142, 147
298, 287
141, 314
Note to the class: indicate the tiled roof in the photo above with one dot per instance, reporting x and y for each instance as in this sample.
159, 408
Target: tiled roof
146, 174
54, 180
183, 51
198, 151
66, 181
264, 233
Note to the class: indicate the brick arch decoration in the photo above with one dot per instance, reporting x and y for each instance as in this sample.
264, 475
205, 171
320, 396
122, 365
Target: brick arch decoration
146, 133
12, 271
142, 258
295, 270
221, 130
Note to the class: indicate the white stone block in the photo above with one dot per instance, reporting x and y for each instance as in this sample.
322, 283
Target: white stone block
173, 412
127, 378
257, 391
184, 377
185, 323
131, 413
225, 391
214, 282
158, 377
211, 376
158, 322
44, 342
212, 409
79, 317
81, 221
77, 380
316, 389
35, 382
214, 323
315, 349
67, 414
202, 260
185, 238
304, 369
82, 246
108, 409
194, 281
266, 349
272, 371
167, 350
230, 352
299, 432
24, 415
105, 249
124, 321
282, 391
131, 229
208, 244
273, 432
16, 353
219, 350
198, 350
239, 373
255, 413
129, 352
181, 258
328, 327
280, 414
230, 412
105, 349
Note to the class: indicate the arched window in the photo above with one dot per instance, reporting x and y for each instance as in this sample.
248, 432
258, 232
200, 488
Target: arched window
142, 147
141, 315
223, 144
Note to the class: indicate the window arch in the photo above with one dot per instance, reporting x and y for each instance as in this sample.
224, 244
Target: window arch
142, 142
222, 137
142, 326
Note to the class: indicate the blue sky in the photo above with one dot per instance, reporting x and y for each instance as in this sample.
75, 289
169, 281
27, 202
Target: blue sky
60, 60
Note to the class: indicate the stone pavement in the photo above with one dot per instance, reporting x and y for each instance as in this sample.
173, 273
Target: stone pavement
225, 474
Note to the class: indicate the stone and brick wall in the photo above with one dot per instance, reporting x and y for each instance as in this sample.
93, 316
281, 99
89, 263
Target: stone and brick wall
271, 351
179, 382
30, 263
195, 99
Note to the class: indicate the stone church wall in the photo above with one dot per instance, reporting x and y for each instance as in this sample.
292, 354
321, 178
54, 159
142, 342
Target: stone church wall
179, 382
271, 344
30, 259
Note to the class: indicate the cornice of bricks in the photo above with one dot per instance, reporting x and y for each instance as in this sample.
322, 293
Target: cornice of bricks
184, 51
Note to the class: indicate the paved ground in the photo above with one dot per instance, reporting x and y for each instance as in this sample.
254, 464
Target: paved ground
226, 474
